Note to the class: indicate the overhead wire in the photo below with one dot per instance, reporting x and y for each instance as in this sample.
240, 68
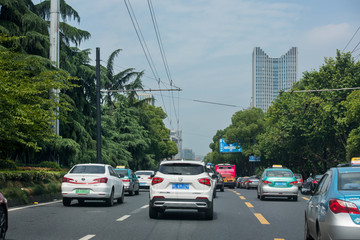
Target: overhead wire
144, 46
351, 39
163, 56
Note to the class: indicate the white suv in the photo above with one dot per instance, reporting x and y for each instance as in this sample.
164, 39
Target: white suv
181, 184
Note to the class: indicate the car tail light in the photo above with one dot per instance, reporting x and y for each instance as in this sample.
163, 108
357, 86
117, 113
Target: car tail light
266, 182
301, 180
69, 180
149, 177
340, 206
293, 183
156, 180
126, 180
250, 181
314, 181
101, 180
205, 181
158, 197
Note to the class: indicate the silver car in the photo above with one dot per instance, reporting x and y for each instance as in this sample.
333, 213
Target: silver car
333, 209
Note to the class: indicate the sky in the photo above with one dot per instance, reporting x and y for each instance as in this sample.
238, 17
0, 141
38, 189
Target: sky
208, 47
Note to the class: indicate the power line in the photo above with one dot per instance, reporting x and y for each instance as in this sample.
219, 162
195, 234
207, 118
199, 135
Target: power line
351, 39
320, 90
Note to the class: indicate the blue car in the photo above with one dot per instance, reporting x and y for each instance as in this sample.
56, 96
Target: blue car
333, 209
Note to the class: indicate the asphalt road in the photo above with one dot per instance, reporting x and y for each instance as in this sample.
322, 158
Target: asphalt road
238, 214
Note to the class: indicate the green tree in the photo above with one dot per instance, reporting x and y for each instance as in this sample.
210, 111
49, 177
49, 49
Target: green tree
26, 106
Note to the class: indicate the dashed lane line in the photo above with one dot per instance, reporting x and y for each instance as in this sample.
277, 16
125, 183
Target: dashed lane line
35, 205
87, 237
248, 204
261, 218
243, 198
305, 198
123, 218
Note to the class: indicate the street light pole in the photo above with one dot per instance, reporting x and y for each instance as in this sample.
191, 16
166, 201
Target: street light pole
54, 51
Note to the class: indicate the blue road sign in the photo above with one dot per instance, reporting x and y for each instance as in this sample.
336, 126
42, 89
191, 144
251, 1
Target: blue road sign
229, 148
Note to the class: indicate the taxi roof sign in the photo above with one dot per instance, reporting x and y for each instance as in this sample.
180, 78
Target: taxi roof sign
355, 161
120, 166
277, 166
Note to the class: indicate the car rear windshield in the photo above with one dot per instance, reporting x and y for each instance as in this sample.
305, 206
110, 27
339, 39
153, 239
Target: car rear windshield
143, 173
122, 171
88, 169
181, 169
279, 173
349, 181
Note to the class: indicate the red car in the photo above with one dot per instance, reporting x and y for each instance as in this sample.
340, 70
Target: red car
3, 216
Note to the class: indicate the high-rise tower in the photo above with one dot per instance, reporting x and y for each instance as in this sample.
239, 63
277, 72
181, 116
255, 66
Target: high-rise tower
270, 75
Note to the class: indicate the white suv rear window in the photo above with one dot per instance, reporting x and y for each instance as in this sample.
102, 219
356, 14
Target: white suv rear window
181, 169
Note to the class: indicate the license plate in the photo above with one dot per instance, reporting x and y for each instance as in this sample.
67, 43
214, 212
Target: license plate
82, 191
280, 184
180, 186
142, 183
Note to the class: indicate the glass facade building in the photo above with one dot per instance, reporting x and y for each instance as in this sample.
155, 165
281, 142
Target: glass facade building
270, 75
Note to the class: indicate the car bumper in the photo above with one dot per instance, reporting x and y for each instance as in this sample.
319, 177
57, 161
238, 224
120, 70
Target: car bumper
144, 184
168, 203
339, 226
280, 192
94, 193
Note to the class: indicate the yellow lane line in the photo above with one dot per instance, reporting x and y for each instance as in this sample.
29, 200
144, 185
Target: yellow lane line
279, 238
243, 198
261, 218
249, 205
305, 198
238, 193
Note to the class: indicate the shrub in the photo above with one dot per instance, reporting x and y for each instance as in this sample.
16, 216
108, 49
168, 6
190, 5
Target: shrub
7, 164
48, 164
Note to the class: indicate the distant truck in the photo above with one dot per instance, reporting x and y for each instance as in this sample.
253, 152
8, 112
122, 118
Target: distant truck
228, 172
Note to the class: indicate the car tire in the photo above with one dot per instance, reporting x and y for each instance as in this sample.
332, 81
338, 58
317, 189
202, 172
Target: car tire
222, 189
295, 198
306, 231
81, 201
318, 233
262, 198
153, 213
66, 202
110, 200
131, 192
121, 199
209, 213
137, 191
3, 223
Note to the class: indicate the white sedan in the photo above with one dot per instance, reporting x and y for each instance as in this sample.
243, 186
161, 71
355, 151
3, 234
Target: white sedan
92, 182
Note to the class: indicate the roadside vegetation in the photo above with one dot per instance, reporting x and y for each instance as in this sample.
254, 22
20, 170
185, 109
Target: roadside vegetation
307, 131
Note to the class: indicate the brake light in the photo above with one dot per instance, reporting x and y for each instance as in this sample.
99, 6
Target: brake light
314, 181
149, 177
301, 180
249, 181
65, 179
126, 180
340, 206
266, 182
101, 180
156, 180
205, 181
293, 183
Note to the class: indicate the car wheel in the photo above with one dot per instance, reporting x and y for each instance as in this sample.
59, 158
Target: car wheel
319, 237
222, 189
81, 201
153, 212
295, 198
110, 200
137, 191
209, 214
131, 192
66, 202
3, 223
121, 199
306, 231
262, 197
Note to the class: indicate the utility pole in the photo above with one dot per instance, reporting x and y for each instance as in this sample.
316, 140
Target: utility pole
98, 108
54, 50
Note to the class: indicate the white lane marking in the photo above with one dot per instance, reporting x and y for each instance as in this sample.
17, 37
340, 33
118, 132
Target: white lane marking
87, 237
35, 205
145, 206
123, 218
